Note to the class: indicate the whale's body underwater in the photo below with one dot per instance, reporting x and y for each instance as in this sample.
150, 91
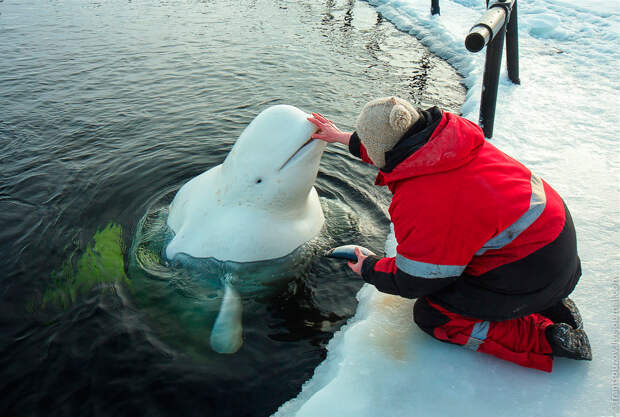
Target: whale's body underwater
259, 204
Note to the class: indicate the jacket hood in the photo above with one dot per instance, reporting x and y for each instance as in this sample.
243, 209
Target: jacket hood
453, 143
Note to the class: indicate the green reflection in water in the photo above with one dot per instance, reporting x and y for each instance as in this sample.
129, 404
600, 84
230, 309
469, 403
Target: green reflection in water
101, 263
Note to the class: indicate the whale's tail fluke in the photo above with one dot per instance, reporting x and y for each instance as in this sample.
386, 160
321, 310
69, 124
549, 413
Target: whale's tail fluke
227, 332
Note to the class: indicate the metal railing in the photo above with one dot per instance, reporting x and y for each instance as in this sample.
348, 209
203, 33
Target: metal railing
499, 22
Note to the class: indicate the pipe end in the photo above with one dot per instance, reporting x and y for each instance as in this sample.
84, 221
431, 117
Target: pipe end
474, 42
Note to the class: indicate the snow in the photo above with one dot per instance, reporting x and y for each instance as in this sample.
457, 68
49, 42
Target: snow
562, 122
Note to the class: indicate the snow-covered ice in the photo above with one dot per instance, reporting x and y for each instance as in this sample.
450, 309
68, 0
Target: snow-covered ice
562, 122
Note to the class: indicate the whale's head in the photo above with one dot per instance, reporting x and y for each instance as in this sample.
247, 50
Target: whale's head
258, 204
275, 161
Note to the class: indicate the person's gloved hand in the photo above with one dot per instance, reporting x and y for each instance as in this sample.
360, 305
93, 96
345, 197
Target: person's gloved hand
328, 130
357, 266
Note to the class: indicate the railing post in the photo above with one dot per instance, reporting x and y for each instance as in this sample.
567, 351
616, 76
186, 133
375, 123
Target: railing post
512, 46
490, 83
490, 32
434, 7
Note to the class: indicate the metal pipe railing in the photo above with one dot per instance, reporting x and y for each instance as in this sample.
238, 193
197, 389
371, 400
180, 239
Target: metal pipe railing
512, 46
486, 29
490, 31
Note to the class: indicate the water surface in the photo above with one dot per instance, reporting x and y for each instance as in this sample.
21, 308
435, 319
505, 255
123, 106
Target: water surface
108, 107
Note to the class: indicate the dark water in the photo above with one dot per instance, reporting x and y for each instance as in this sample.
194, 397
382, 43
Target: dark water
105, 107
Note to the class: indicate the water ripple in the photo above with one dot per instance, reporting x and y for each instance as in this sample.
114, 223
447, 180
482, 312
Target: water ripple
108, 106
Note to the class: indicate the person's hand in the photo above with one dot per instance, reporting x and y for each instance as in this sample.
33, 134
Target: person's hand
328, 130
357, 266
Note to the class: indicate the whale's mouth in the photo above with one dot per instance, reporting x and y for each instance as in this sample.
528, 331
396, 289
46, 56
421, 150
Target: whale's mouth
297, 152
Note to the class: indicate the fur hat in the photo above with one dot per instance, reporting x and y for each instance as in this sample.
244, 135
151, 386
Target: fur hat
382, 123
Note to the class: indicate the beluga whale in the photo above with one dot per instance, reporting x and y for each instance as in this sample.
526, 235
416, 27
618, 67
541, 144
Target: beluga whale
259, 204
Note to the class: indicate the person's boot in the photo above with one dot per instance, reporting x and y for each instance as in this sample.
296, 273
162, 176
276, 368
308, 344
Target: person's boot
565, 312
568, 342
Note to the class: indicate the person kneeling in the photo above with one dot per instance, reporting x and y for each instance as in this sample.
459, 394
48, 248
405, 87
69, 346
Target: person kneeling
486, 246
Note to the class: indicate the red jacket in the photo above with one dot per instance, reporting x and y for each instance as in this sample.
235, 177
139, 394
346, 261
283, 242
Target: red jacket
473, 225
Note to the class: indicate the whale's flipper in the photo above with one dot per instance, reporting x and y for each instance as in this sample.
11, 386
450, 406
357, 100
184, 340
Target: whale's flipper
227, 332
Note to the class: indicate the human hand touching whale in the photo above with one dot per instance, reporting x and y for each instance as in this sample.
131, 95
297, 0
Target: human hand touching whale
328, 131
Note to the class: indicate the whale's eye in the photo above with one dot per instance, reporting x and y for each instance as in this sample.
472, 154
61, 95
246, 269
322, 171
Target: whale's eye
258, 181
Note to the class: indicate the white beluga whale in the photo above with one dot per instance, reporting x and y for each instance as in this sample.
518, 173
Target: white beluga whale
259, 204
